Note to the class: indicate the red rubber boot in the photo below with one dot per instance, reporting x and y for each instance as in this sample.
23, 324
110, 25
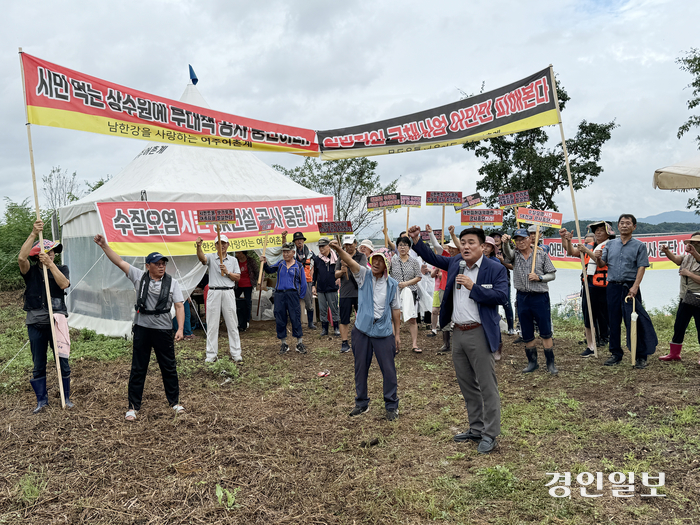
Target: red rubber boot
674, 354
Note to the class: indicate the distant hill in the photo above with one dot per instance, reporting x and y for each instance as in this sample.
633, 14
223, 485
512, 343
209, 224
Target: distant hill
644, 227
677, 216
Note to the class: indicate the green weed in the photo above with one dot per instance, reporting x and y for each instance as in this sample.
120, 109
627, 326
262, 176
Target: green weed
230, 502
31, 485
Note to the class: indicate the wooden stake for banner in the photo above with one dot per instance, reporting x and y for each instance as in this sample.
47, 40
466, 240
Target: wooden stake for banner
260, 274
386, 239
442, 233
218, 244
41, 239
408, 210
534, 249
573, 202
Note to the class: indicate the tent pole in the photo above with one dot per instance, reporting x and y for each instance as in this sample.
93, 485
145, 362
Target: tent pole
41, 239
573, 202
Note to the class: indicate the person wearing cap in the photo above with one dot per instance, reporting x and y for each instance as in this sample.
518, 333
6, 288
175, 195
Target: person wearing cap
325, 285
406, 270
476, 286
627, 260
532, 232
532, 296
304, 257
596, 281
289, 291
376, 330
221, 299
156, 293
367, 248
348, 288
689, 305
35, 304
508, 306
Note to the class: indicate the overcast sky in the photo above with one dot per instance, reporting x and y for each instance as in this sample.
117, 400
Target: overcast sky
321, 65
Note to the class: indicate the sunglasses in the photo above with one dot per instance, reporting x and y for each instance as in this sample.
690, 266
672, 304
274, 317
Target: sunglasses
159, 263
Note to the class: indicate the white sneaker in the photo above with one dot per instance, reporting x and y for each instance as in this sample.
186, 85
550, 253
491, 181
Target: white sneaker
210, 360
512, 332
179, 409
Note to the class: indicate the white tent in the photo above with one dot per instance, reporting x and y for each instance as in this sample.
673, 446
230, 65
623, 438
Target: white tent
101, 298
682, 176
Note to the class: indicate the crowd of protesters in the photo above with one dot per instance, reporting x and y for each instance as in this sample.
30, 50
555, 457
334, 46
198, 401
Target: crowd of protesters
454, 286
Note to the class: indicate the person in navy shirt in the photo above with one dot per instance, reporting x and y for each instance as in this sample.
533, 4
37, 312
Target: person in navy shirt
290, 289
475, 288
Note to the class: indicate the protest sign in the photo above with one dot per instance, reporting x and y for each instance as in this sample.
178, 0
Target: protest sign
470, 201
410, 201
389, 201
482, 217
510, 200
548, 219
216, 216
335, 228
443, 198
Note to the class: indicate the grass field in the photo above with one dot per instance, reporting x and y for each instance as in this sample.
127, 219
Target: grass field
270, 442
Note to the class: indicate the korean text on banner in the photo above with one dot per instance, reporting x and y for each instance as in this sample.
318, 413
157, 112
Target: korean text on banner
390, 201
214, 216
653, 243
484, 217
335, 228
548, 219
470, 201
410, 201
63, 98
267, 226
139, 228
526, 104
443, 198
510, 200
425, 235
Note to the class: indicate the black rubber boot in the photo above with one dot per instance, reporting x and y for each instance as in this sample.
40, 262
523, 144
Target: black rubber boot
551, 367
446, 348
66, 391
336, 330
310, 316
324, 329
42, 397
531, 360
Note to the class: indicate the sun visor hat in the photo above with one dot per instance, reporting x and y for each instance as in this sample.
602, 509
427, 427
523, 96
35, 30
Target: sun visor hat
56, 246
608, 229
383, 256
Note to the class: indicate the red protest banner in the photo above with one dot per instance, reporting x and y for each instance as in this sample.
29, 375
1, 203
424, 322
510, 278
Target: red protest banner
335, 228
518, 198
267, 226
214, 216
139, 228
470, 201
410, 201
485, 217
60, 97
542, 217
443, 198
425, 235
384, 202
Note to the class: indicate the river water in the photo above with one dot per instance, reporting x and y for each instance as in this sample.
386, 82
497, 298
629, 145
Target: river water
659, 287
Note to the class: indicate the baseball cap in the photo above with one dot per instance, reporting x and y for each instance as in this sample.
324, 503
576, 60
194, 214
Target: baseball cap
520, 232
223, 238
56, 246
532, 229
324, 241
155, 257
288, 246
349, 239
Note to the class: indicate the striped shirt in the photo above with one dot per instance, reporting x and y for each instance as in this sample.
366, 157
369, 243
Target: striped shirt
522, 267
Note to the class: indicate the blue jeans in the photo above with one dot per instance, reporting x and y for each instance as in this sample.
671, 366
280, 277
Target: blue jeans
534, 307
287, 307
39, 341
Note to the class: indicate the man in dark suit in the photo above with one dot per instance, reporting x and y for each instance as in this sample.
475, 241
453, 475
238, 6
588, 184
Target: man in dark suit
476, 286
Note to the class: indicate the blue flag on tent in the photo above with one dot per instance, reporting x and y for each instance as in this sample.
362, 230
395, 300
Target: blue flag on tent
193, 77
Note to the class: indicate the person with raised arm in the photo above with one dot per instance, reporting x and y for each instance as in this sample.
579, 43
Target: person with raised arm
476, 286
156, 293
36, 305
376, 330
221, 299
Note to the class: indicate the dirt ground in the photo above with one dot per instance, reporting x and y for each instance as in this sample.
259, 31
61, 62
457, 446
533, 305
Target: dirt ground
277, 443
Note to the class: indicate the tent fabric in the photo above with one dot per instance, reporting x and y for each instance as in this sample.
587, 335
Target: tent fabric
102, 298
682, 176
